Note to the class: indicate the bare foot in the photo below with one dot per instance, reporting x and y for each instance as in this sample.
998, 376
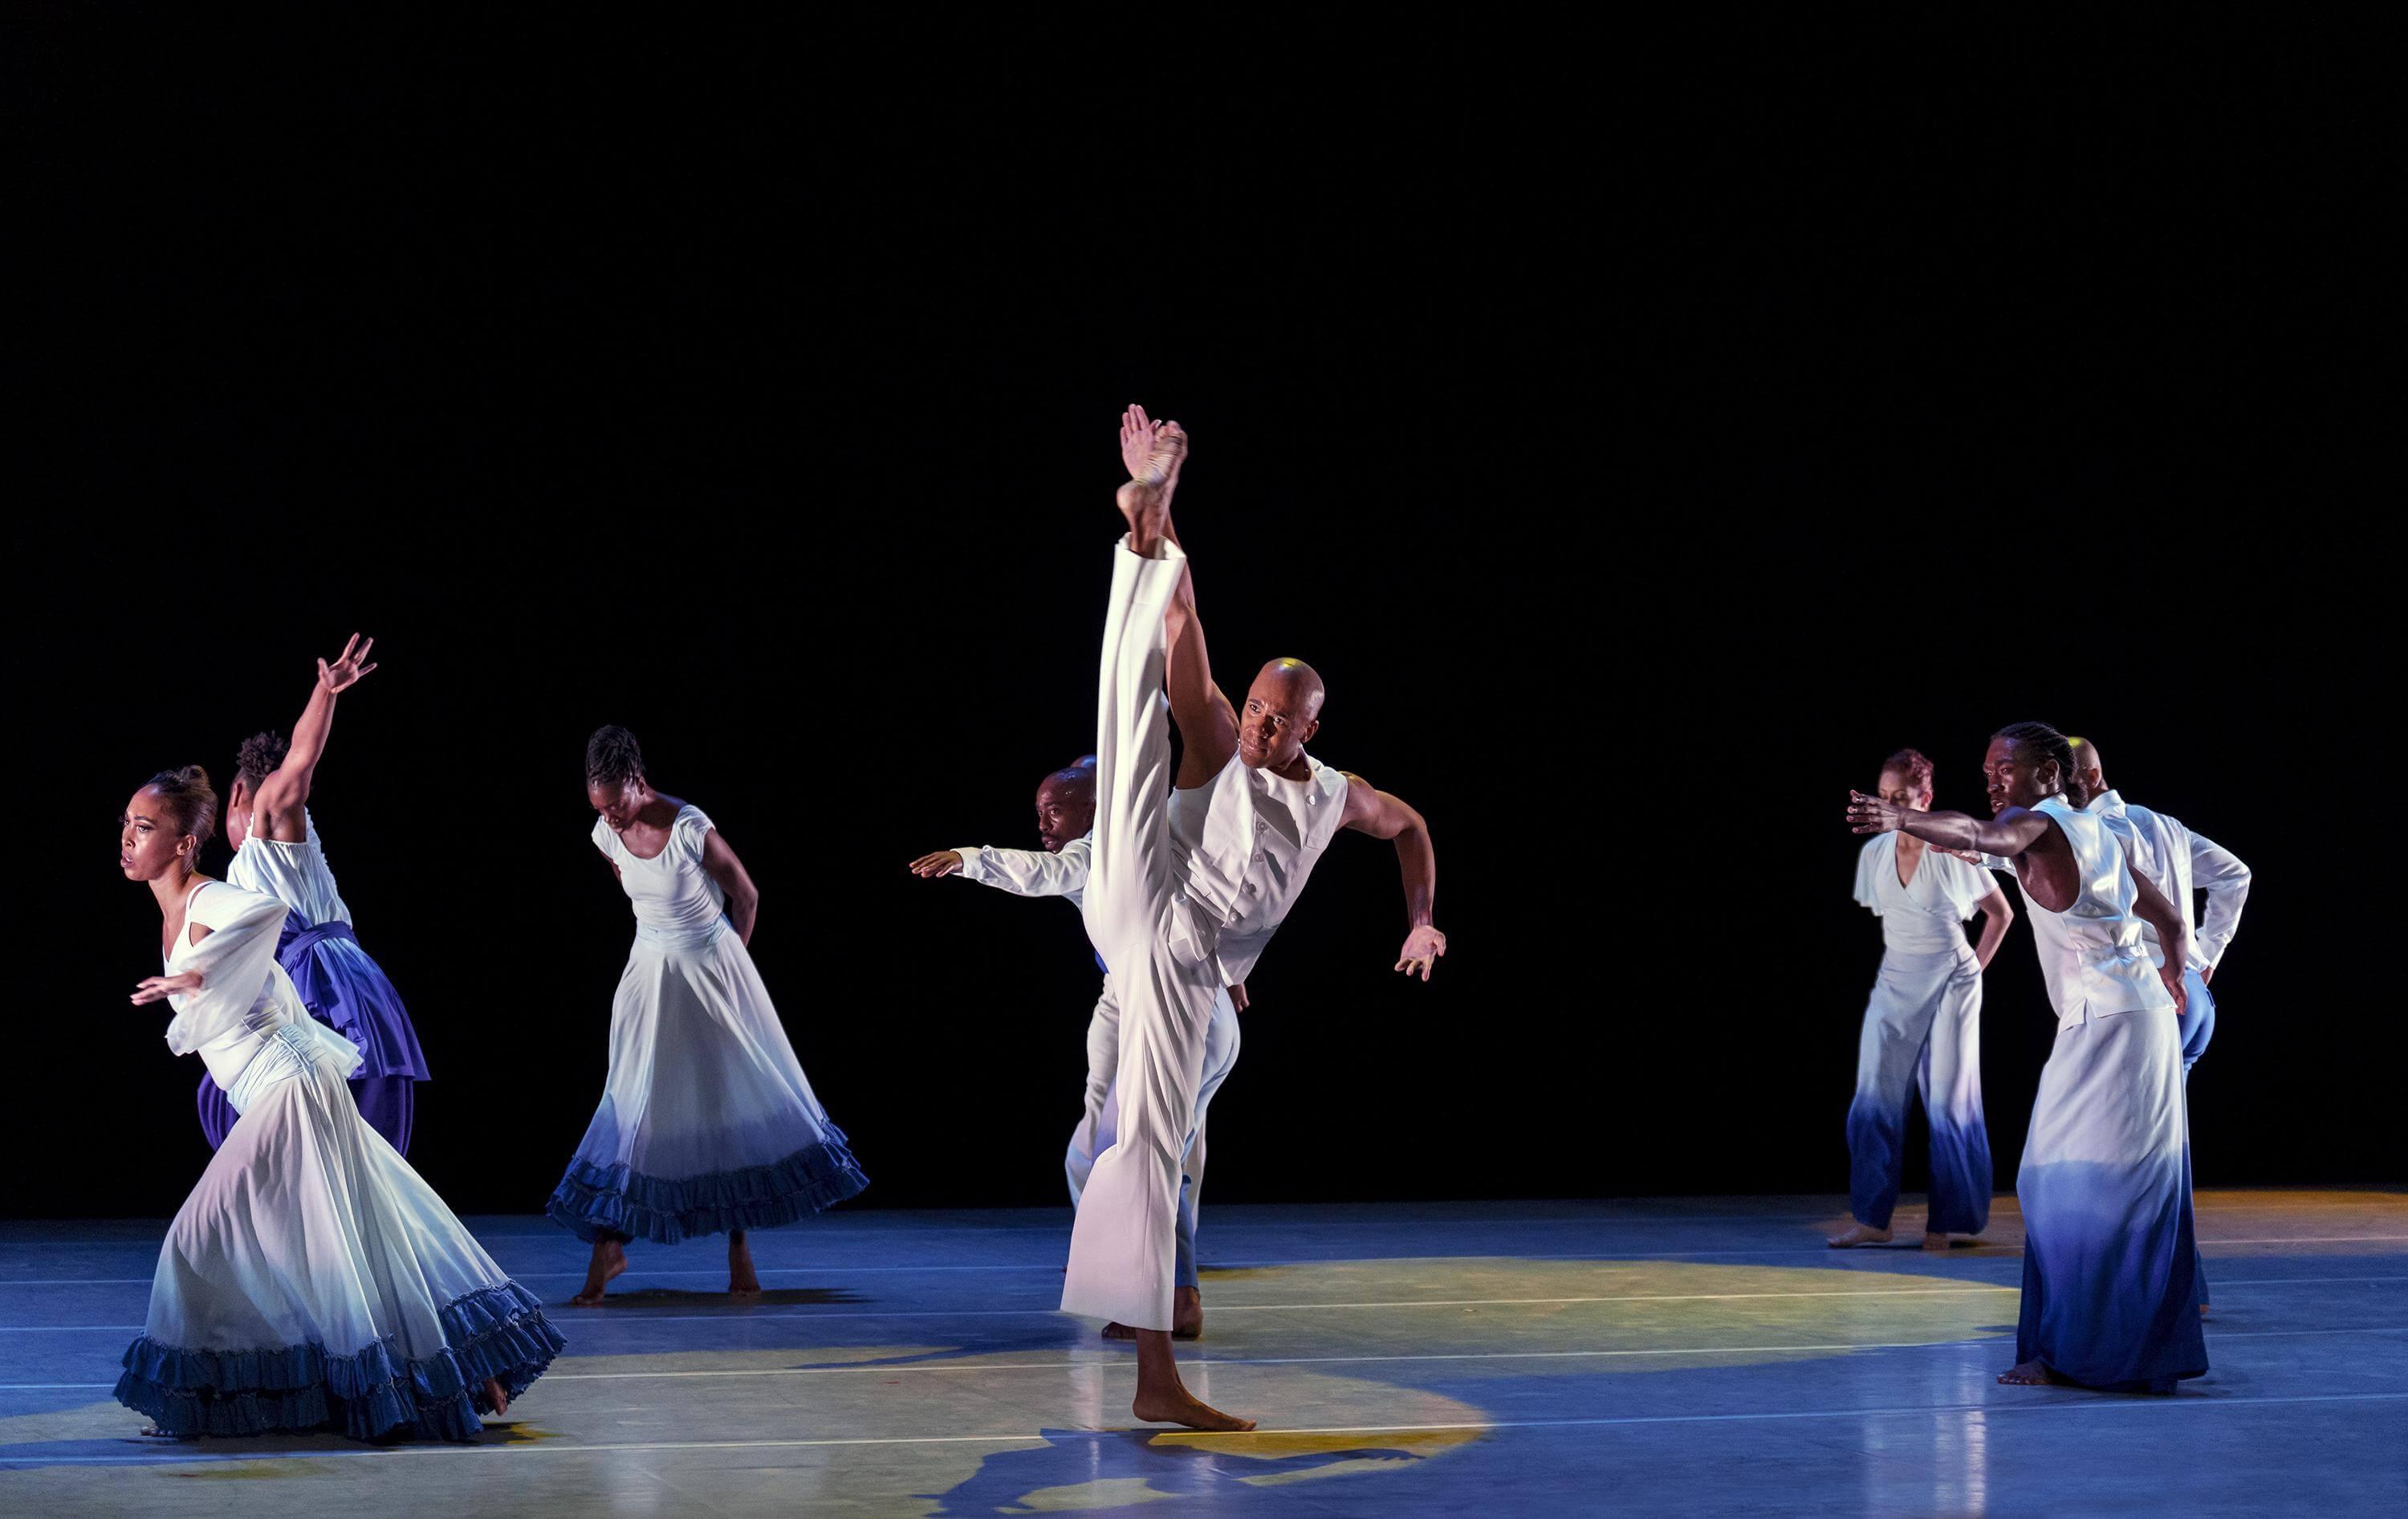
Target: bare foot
610, 1259
1162, 1398
1186, 1317
741, 1282
501, 1399
1934, 1242
2027, 1374
154, 1432
1857, 1234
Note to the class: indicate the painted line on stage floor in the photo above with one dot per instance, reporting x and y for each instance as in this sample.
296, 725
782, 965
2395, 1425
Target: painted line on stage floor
2073, 1400
744, 1315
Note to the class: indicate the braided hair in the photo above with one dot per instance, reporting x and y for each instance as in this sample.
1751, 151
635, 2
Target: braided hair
612, 757
260, 756
187, 798
1911, 764
2051, 744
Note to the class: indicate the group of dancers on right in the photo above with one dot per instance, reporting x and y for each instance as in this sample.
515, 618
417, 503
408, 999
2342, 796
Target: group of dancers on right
2114, 1289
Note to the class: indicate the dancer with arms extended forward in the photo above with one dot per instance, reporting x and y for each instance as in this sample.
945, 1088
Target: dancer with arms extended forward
1186, 889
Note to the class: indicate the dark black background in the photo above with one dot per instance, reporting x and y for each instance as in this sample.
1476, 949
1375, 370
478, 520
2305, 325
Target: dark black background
1638, 465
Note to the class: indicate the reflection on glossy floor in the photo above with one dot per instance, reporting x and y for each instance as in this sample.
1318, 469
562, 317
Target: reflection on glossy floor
1655, 1355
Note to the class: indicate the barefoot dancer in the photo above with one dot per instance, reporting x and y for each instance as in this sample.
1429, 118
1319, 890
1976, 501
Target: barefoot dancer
2109, 1253
2175, 860
1065, 812
706, 1122
313, 1280
1184, 893
1923, 1027
276, 851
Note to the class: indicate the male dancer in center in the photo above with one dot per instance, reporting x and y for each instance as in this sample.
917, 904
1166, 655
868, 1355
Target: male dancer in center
1187, 888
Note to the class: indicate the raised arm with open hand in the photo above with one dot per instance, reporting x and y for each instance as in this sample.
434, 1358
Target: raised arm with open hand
285, 791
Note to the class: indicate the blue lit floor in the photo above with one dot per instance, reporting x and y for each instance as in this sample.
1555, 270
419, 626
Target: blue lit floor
1691, 1357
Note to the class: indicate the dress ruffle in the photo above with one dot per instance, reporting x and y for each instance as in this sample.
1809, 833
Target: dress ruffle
495, 1333
593, 1200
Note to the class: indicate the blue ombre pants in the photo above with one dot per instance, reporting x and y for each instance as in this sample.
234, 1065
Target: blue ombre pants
1922, 1037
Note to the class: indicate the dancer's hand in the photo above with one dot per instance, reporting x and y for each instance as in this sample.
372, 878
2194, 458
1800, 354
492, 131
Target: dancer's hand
1870, 814
347, 668
943, 863
2207, 976
158, 988
1965, 854
1422, 947
2171, 975
1238, 995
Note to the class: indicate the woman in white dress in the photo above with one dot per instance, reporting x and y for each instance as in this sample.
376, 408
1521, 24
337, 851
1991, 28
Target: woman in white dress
706, 1122
312, 1279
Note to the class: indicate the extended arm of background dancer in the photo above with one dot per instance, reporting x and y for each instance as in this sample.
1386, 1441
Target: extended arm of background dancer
2006, 835
721, 865
277, 812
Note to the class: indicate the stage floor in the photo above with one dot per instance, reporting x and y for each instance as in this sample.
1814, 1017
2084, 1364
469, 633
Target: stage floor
1653, 1355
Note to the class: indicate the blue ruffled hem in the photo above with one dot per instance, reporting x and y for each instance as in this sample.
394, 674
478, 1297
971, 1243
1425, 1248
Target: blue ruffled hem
596, 1200
493, 1334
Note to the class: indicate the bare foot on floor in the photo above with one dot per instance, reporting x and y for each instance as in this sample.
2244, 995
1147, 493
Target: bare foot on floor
1180, 1407
2027, 1374
610, 1259
741, 1282
1857, 1234
501, 1399
1934, 1242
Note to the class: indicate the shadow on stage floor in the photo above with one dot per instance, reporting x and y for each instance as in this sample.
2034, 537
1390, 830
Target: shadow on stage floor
1698, 1356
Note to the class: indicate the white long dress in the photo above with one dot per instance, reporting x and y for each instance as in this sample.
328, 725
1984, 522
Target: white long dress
707, 1121
313, 1280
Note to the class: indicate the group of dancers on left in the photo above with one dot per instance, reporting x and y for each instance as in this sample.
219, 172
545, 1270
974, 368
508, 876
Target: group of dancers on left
313, 1280
2114, 1287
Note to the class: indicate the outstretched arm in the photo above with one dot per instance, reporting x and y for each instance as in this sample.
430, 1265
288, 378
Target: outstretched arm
277, 812
1376, 813
1023, 872
721, 865
2007, 835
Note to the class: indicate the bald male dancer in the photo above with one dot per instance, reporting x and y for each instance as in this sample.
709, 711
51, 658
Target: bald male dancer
1187, 888
1066, 815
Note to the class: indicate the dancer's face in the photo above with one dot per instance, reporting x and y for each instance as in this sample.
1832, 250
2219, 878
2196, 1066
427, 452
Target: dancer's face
618, 801
1275, 723
1064, 812
2016, 777
1899, 789
148, 844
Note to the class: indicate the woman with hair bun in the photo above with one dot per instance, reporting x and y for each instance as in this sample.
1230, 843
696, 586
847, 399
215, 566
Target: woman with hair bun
312, 1281
277, 853
706, 1122
1923, 1026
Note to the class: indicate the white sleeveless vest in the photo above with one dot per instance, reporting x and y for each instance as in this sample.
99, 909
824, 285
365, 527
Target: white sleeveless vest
2091, 953
1251, 840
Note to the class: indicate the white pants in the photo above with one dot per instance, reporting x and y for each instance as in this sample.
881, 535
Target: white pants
1098, 1126
1123, 1241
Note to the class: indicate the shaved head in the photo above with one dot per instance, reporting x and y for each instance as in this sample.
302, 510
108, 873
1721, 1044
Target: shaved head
2087, 766
1281, 714
1066, 806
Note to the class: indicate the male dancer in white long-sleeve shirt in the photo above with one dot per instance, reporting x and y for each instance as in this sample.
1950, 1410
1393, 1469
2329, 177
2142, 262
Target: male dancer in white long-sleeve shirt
1065, 812
1187, 888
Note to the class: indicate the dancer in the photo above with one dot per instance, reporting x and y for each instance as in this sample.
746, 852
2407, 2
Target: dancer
1065, 812
2109, 1252
707, 1121
1923, 1026
312, 1279
1186, 889
277, 853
